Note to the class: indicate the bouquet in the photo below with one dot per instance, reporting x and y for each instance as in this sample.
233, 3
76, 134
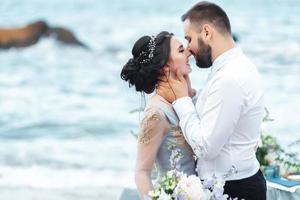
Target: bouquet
176, 185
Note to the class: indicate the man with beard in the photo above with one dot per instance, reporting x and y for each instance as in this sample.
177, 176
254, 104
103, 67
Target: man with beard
222, 122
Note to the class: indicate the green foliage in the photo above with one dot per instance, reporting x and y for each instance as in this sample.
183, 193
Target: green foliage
270, 152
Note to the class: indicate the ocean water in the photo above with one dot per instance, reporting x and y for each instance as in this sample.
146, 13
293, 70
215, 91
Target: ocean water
64, 111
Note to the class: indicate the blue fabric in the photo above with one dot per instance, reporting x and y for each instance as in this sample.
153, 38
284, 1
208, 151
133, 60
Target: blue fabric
276, 194
187, 163
284, 182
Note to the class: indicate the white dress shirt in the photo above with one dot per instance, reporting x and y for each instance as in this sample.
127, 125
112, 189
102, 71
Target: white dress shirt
223, 127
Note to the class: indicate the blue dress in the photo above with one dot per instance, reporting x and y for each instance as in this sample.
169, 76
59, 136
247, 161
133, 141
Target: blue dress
160, 130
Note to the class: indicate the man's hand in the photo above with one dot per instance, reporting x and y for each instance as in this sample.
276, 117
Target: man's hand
173, 88
191, 91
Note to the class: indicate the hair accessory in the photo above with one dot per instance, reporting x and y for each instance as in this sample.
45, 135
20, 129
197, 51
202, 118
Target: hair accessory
151, 50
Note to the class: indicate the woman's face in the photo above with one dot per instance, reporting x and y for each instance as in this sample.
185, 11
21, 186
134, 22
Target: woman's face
179, 57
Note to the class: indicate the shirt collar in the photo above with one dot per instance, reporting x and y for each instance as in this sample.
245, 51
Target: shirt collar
222, 59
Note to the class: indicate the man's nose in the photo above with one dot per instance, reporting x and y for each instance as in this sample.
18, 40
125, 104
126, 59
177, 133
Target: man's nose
188, 52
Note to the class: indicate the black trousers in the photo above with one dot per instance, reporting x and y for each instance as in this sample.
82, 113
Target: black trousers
252, 188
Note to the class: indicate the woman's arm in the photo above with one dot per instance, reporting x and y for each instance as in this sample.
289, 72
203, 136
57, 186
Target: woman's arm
153, 130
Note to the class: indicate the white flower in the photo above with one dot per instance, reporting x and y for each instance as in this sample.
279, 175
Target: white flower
153, 194
164, 196
219, 183
192, 188
171, 173
270, 157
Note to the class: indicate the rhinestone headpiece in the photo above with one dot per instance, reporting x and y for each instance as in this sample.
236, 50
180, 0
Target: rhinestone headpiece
150, 51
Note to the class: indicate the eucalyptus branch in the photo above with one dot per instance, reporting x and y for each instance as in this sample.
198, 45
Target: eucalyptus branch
297, 142
267, 116
136, 110
270, 151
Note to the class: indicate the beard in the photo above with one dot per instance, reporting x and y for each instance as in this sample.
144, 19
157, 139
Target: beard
203, 55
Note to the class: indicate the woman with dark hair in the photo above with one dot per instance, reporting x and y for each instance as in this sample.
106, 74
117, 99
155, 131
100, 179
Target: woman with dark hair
155, 59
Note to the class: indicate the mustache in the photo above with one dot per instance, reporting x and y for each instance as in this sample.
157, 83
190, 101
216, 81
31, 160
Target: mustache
192, 52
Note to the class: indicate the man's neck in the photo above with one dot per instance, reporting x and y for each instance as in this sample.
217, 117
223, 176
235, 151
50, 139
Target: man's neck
223, 45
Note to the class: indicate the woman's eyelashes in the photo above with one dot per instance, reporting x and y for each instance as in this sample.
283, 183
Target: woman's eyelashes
181, 50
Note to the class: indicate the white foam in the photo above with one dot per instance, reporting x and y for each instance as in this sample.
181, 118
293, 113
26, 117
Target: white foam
45, 178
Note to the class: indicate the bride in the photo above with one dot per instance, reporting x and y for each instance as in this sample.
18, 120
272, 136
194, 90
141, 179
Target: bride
155, 60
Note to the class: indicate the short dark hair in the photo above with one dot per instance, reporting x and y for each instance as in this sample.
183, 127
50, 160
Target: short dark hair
145, 76
207, 12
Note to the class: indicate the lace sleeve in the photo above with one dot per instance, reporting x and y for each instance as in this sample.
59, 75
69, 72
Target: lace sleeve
151, 125
153, 129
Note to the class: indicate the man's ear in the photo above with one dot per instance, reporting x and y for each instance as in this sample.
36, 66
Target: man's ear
207, 31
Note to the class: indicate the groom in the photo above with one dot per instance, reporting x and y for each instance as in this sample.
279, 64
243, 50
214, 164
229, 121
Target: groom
222, 123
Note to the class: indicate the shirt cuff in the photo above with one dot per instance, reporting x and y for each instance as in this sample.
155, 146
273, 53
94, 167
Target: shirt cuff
183, 106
